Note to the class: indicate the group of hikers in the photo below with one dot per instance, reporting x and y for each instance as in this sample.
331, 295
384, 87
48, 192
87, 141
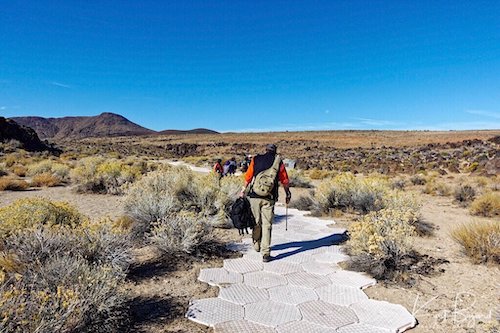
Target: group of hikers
263, 173
230, 166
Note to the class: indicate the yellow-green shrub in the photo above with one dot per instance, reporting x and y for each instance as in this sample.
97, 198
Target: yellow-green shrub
98, 175
12, 184
480, 241
376, 230
3, 170
487, 204
319, 174
346, 191
435, 187
298, 179
35, 212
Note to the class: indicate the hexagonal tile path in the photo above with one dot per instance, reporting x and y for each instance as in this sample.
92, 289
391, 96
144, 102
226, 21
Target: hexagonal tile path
301, 290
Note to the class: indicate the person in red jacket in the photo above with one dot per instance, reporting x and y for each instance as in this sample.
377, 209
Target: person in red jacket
218, 167
263, 206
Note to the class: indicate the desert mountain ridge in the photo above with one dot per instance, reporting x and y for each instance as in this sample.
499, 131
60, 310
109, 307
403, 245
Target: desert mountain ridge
26, 138
104, 125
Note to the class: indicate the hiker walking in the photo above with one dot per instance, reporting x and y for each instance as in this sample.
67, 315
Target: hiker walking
218, 168
263, 174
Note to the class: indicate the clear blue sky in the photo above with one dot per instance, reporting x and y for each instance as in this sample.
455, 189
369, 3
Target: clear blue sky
255, 65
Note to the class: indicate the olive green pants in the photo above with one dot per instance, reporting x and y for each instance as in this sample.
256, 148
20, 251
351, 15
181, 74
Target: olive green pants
263, 211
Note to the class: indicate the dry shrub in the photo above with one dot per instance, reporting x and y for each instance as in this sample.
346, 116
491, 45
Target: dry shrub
31, 213
19, 170
464, 194
435, 187
11, 184
398, 184
98, 175
59, 170
418, 179
305, 203
318, 174
3, 170
297, 179
185, 232
45, 180
480, 241
59, 272
487, 205
347, 191
165, 192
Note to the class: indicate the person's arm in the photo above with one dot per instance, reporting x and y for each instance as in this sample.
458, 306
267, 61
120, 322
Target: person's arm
283, 177
248, 177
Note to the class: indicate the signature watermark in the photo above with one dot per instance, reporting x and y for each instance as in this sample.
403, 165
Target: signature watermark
457, 310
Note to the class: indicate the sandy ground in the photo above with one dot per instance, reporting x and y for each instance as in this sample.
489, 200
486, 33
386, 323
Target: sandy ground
464, 298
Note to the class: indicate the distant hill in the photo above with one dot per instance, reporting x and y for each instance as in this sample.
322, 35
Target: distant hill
193, 131
27, 137
104, 125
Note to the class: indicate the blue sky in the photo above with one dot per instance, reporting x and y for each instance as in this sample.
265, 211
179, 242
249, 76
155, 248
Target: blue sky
255, 65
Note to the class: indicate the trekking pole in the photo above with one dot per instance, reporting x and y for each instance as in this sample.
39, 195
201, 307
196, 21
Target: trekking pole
286, 217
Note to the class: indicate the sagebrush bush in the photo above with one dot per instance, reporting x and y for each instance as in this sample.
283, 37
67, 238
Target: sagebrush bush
49, 167
305, 203
347, 191
185, 232
298, 179
165, 192
480, 241
34, 212
435, 187
464, 194
58, 271
12, 184
98, 175
487, 205
398, 184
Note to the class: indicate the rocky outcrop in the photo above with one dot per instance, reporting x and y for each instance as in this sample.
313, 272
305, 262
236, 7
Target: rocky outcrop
27, 137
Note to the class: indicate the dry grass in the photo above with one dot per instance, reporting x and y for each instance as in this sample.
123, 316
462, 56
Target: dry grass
11, 184
480, 241
487, 205
19, 170
45, 179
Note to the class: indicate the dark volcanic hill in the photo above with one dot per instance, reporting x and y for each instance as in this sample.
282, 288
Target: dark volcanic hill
193, 131
10, 130
103, 125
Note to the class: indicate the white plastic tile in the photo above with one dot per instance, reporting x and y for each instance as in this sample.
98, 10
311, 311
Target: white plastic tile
327, 314
319, 268
361, 328
328, 257
352, 279
292, 294
219, 276
242, 265
341, 295
304, 326
282, 267
243, 294
382, 314
271, 313
242, 326
212, 311
308, 280
264, 279
253, 255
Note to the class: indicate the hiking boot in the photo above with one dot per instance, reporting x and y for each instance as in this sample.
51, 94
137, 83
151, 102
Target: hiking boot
256, 246
266, 258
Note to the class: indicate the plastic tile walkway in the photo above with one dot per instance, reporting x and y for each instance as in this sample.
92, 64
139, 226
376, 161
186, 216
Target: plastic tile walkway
301, 290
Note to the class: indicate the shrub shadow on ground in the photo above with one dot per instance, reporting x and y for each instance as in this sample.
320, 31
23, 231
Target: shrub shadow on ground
153, 310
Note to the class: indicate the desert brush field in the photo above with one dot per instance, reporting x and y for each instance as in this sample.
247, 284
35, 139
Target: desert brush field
107, 236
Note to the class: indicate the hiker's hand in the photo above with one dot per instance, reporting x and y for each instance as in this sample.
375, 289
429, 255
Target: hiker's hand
288, 196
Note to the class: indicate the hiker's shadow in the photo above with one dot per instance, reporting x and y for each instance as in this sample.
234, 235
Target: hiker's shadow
303, 246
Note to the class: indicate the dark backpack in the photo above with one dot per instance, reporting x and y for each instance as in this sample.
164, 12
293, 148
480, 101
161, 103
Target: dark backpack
241, 215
